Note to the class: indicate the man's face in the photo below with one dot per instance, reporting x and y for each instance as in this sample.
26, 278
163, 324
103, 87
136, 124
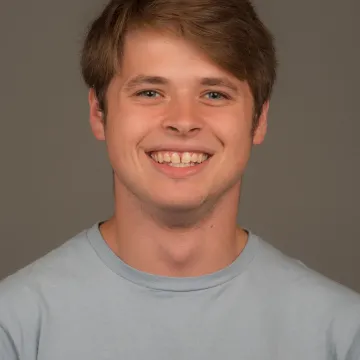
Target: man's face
178, 127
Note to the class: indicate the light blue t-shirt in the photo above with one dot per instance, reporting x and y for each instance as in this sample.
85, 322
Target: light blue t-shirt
81, 302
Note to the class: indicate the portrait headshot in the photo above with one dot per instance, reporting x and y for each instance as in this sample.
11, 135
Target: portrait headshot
180, 180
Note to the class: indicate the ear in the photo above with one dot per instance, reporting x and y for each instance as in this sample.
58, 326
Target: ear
96, 117
260, 131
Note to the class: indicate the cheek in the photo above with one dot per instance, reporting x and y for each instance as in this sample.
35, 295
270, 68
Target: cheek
124, 133
234, 131
120, 140
127, 126
235, 134
238, 148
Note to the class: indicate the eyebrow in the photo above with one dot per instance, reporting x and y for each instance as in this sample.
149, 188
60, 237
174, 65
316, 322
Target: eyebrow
215, 81
159, 80
145, 79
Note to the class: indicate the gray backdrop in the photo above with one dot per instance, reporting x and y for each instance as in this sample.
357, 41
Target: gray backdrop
301, 191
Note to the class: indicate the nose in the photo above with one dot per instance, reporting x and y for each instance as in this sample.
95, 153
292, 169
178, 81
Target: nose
182, 118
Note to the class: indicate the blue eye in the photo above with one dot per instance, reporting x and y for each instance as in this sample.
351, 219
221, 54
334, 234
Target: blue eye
151, 94
214, 95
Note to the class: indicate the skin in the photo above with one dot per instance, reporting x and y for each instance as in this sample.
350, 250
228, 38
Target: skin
165, 225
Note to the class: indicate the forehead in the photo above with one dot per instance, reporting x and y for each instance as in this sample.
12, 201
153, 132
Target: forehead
164, 54
153, 57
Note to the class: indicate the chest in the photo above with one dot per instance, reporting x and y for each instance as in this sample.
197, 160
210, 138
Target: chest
178, 328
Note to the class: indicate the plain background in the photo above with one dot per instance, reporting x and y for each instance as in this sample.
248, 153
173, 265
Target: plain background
301, 190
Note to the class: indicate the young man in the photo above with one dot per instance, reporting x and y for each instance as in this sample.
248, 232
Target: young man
179, 90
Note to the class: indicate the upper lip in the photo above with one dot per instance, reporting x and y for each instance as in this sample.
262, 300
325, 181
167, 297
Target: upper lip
181, 148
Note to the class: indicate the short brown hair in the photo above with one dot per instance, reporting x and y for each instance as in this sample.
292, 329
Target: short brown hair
228, 31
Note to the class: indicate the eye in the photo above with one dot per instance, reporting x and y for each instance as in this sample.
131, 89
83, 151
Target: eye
151, 94
215, 95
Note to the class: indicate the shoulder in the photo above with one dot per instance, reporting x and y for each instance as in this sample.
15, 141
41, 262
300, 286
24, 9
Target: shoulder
297, 279
56, 263
26, 297
21, 293
310, 299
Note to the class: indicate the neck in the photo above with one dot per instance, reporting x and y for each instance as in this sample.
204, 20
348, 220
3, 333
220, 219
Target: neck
149, 246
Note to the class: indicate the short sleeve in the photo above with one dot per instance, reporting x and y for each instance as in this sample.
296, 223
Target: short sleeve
346, 332
354, 349
19, 321
7, 346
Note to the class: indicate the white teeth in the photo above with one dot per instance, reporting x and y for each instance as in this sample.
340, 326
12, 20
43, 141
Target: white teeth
181, 165
194, 158
176, 159
186, 158
160, 158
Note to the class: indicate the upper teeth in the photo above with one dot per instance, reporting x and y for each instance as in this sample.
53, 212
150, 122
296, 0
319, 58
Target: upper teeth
178, 158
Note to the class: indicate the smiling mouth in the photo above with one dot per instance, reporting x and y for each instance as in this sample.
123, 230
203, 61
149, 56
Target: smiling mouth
179, 159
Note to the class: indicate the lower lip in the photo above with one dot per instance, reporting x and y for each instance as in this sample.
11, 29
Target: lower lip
179, 172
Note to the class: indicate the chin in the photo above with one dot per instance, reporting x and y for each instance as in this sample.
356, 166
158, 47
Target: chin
180, 205
176, 200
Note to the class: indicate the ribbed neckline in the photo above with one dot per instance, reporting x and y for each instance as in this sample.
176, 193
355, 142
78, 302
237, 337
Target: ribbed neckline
165, 283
